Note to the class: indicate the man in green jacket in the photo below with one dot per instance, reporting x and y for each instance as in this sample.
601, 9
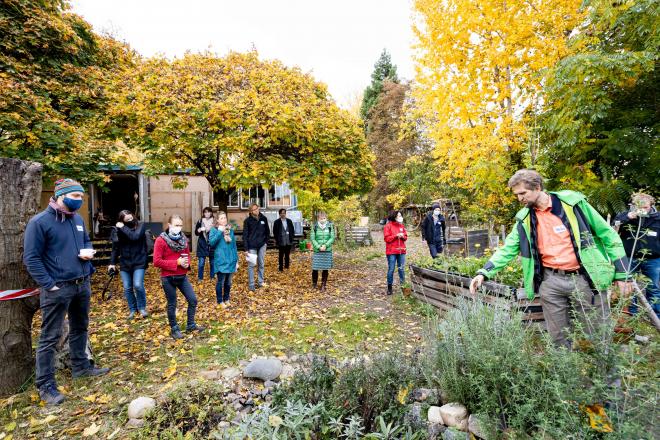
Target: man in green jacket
570, 256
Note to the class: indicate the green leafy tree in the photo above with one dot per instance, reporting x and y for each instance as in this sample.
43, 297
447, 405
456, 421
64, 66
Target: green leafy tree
241, 121
601, 124
383, 70
53, 71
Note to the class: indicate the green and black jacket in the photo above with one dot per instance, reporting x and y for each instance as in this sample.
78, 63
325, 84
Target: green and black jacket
598, 248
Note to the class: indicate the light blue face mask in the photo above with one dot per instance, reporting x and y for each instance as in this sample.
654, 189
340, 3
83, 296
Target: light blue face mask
72, 204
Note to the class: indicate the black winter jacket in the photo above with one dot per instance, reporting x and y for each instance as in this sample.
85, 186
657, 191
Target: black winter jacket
255, 232
203, 248
129, 247
427, 228
277, 231
650, 228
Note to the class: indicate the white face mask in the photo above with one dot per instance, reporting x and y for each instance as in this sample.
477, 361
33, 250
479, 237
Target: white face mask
207, 215
175, 230
221, 228
323, 222
436, 212
399, 218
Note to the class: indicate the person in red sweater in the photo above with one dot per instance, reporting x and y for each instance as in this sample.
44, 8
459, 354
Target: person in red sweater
172, 256
395, 247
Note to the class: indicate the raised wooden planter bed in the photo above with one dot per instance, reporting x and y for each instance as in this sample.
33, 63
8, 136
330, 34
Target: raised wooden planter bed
442, 289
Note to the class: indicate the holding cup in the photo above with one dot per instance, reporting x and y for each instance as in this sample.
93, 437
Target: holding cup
186, 261
86, 253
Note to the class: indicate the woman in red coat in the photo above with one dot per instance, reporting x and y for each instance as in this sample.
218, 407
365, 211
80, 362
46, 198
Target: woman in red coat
172, 256
395, 247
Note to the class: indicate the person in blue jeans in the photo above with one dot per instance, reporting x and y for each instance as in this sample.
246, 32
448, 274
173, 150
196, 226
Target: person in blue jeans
639, 228
256, 233
434, 230
204, 250
129, 248
57, 254
225, 262
395, 236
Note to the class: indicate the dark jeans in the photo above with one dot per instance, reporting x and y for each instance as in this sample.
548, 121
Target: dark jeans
200, 267
394, 260
650, 268
284, 256
435, 248
136, 297
223, 286
74, 300
170, 284
315, 276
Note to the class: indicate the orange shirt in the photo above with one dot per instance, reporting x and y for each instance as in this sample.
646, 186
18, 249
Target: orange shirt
554, 241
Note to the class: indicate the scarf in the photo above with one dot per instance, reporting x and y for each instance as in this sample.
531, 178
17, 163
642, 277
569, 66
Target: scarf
59, 211
175, 245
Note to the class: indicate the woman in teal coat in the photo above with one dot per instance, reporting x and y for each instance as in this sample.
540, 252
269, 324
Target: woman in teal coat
225, 261
322, 236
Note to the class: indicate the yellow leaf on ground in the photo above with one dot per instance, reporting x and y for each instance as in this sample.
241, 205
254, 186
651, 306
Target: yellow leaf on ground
9, 427
598, 419
91, 430
91, 398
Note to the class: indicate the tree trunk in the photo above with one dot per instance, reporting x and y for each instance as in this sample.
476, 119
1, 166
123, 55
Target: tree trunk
20, 192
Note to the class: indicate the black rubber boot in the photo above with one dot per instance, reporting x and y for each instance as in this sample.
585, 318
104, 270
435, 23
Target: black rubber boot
389, 289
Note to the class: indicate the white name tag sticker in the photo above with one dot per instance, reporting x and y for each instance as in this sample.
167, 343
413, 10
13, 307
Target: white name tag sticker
80, 228
652, 233
262, 222
559, 229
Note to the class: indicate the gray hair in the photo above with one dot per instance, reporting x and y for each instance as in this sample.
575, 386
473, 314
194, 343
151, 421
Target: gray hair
530, 178
640, 198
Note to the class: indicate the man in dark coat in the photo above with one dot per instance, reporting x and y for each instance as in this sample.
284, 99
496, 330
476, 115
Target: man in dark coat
433, 230
639, 229
284, 235
255, 238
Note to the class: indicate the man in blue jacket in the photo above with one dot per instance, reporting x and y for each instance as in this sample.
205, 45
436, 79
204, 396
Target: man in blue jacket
57, 253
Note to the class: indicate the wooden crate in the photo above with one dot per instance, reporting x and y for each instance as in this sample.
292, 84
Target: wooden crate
442, 290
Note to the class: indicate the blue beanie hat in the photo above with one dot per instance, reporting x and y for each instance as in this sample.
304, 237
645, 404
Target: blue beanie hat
66, 186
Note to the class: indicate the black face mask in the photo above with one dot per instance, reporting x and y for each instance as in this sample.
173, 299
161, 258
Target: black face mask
131, 223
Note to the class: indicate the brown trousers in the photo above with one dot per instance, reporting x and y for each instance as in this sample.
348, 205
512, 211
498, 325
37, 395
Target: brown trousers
568, 297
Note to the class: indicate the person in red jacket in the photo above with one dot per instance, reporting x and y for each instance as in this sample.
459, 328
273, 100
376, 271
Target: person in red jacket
172, 256
395, 247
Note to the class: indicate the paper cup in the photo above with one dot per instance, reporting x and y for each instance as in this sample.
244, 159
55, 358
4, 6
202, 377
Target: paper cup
87, 252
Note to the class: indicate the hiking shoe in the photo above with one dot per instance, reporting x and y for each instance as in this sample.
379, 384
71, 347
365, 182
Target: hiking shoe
194, 328
176, 333
93, 371
50, 394
143, 313
131, 316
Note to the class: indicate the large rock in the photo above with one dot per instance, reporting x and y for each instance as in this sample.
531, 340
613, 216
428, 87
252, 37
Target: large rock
264, 369
474, 426
455, 415
139, 406
435, 416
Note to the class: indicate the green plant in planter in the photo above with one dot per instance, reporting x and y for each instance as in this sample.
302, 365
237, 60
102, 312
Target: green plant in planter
511, 275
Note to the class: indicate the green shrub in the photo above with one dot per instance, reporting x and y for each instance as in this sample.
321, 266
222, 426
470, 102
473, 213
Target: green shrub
312, 386
488, 360
377, 387
192, 410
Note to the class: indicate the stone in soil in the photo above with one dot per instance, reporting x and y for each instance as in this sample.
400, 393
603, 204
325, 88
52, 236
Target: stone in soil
135, 423
139, 406
264, 369
474, 426
230, 373
435, 431
210, 374
269, 384
435, 416
454, 434
455, 415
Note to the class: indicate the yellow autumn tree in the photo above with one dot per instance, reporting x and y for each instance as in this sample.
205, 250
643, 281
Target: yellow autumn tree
479, 67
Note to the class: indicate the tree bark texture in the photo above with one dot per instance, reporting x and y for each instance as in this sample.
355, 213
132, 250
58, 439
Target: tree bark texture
20, 192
